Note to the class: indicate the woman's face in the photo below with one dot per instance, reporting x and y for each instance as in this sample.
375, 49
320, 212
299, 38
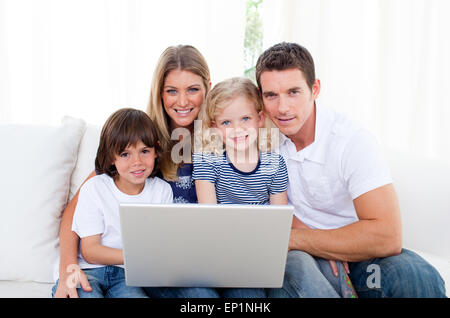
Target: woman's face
183, 94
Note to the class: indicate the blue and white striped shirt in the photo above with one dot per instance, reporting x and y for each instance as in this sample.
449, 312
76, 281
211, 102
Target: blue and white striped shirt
236, 187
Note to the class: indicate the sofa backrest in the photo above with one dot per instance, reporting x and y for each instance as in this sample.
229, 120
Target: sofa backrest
86, 156
422, 185
37, 166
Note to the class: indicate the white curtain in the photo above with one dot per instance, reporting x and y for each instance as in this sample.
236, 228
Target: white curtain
87, 58
386, 63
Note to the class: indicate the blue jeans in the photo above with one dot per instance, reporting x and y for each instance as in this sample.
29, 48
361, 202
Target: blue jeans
107, 282
194, 292
403, 275
311, 277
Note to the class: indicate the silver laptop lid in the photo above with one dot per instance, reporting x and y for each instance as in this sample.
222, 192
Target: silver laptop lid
199, 245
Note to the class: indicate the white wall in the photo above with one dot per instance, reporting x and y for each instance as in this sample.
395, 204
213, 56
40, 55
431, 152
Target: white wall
86, 58
384, 62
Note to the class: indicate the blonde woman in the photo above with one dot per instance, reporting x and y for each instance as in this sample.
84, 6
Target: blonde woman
180, 83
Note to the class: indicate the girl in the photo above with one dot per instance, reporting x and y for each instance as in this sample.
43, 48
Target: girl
234, 169
231, 168
126, 165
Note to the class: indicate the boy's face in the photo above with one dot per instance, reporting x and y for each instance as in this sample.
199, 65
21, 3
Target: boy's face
134, 165
288, 101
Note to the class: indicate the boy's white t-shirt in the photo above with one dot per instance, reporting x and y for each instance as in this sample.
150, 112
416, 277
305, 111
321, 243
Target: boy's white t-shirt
97, 210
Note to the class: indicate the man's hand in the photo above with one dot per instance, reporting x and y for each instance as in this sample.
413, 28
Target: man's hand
297, 224
334, 268
67, 284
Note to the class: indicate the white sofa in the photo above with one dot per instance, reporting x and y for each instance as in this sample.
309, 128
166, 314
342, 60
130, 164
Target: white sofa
45, 165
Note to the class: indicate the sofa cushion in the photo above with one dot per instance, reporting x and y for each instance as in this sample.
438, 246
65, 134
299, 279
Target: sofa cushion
86, 158
15, 289
37, 163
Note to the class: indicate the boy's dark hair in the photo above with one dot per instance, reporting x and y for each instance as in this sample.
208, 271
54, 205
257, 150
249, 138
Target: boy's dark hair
125, 127
283, 56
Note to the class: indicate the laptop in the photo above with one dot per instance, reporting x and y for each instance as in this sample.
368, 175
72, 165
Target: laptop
203, 245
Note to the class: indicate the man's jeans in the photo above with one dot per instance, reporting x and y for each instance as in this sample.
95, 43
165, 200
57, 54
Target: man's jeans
311, 277
403, 275
107, 282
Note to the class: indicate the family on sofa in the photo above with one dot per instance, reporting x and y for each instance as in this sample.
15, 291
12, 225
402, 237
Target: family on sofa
346, 223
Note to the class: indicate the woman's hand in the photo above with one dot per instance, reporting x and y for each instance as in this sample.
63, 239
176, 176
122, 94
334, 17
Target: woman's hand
68, 282
68, 251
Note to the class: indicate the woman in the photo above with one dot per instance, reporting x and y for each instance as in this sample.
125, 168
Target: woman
179, 86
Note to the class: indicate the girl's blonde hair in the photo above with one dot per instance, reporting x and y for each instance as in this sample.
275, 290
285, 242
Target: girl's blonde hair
181, 57
217, 100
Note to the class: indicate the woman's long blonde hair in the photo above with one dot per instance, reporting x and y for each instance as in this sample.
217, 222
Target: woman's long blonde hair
217, 100
181, 57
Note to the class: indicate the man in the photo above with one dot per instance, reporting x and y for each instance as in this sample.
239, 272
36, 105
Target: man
346, 207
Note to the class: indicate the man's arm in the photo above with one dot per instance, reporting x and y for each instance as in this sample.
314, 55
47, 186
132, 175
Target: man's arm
376, 234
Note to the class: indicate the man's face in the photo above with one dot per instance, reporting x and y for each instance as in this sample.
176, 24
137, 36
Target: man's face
288, 101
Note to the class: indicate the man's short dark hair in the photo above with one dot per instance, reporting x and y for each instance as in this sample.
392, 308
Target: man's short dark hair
283, 56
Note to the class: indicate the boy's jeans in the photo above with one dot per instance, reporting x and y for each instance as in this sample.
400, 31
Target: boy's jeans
107, 282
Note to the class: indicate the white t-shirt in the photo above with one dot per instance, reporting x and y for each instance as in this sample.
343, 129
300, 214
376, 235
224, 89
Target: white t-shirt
97, 210
342, 163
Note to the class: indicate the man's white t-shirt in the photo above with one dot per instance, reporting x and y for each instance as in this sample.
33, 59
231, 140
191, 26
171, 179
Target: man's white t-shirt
97, 210
342, 163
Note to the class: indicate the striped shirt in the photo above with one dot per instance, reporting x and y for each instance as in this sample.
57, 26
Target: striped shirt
236, 187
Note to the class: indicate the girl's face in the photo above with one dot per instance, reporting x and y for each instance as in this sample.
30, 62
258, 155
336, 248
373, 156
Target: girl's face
183, 95
134, 165
238, 123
